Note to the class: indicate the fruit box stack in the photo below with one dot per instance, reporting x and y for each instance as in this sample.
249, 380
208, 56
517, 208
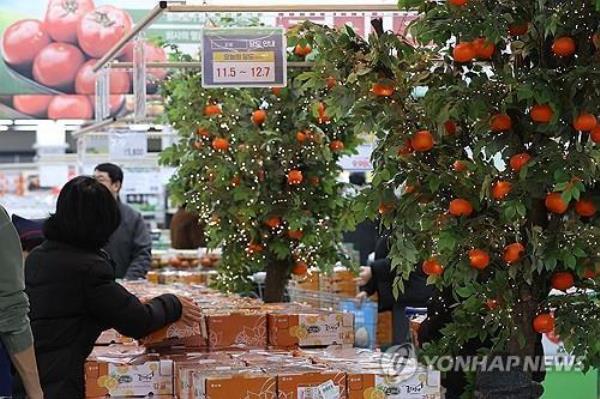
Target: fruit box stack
309, 328
368, 374
246, 349
231, 322
127, 371
326, 373
340, 282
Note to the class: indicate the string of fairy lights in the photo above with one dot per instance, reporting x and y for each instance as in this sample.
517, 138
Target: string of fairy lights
564, 239
257, 165
507, 310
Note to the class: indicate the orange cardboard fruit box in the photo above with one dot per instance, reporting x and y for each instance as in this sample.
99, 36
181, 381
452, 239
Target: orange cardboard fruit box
310, 329
147, 375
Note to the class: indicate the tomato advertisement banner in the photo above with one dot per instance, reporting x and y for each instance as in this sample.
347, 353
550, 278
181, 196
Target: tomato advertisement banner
355, 20
49, 47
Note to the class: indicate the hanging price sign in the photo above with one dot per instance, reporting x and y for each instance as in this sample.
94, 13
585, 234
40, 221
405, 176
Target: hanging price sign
127, 146
244, 57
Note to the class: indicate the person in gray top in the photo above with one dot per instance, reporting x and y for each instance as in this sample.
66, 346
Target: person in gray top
15, 330
130, 245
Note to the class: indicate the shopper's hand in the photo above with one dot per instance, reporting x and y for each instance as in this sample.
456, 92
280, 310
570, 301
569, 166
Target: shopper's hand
364, 276
362, 296
190, 312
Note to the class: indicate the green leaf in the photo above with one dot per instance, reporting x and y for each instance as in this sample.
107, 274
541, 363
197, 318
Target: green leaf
524, 93
409, 4
550, 263
376, 180
560, 175
434, 184
521, 209
447, 241
580, 253
571, 261
485, 186
567, 196
465, 291
510, 212
431, 280
385, 175
513, 270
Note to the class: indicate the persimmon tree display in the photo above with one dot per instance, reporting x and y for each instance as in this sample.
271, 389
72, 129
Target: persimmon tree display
260, 168
487, 182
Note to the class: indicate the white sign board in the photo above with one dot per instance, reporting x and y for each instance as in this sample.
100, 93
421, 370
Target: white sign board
127, 146
358, 162
141, 180
243, 57
54, 175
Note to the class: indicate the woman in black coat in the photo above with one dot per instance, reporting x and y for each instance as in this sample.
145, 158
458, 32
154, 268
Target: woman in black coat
73, 294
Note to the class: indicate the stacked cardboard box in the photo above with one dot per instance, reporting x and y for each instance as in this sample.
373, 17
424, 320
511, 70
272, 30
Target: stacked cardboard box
127, 371
291, 329
340, 282
326, 373
110, 337
246, 349
375, 375
236, 323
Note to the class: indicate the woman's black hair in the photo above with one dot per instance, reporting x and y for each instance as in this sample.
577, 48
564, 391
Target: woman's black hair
86, 215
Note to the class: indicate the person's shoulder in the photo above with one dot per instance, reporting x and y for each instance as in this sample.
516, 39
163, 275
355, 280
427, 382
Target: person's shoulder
127, 212
69, 257
4, 218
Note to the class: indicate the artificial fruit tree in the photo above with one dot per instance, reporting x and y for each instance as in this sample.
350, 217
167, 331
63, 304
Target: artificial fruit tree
488, 182
259, 166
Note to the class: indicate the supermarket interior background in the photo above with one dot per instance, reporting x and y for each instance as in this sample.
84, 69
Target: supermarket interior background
70, 103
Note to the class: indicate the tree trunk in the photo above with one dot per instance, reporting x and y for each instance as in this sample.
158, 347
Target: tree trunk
276, 281
516, 382
506, 385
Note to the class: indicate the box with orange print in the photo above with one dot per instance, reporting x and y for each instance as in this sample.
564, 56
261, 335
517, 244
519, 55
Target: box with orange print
341, 281
240, 330
242, 384
110, 337
310, 382
178, 334
146, 375
371, 384
186, 364
307, 330
271, 358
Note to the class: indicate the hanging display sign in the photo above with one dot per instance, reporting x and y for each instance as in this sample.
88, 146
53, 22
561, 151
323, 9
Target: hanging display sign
244, 57
358, 162
127, 146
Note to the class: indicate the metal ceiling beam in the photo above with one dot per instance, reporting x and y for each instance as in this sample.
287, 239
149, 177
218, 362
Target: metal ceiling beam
164, 6
283, 8
191, 65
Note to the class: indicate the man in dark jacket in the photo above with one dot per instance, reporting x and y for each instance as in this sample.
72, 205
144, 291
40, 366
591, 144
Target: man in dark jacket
379, 278
131, 245
364, 237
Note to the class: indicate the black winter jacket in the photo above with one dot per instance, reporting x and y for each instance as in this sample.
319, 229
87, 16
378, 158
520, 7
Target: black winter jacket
74, 297
416, 291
